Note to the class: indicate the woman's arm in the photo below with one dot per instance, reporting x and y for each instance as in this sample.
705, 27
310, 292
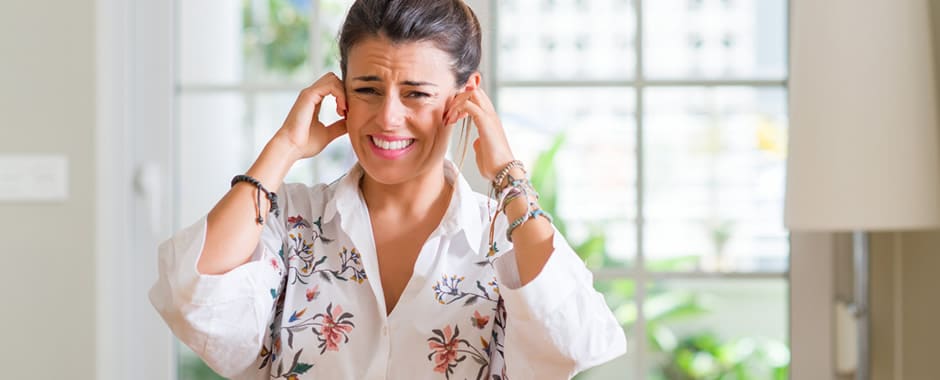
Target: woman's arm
232, 232
532, 241
557, 323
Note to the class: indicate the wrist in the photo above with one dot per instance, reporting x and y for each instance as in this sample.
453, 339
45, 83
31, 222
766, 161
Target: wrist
273, 163
281, 145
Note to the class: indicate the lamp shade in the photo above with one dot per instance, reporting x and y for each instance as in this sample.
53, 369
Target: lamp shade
863, 147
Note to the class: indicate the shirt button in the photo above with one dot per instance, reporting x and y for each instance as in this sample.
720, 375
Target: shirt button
385, 330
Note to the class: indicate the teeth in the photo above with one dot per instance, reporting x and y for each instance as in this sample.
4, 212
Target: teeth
392, 145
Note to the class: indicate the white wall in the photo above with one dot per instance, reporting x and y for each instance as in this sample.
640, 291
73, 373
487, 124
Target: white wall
47, 92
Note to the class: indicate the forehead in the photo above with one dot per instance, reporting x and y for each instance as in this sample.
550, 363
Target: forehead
418, 61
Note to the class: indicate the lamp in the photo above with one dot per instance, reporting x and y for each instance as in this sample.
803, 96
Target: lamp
863, 148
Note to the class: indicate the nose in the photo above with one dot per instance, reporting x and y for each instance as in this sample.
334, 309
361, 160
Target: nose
393, 112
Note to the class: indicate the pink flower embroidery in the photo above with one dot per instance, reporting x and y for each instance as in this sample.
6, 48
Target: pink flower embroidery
332, 329
479, 321
444, 352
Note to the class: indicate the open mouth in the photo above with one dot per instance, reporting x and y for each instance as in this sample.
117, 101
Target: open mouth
391, 148
391, 145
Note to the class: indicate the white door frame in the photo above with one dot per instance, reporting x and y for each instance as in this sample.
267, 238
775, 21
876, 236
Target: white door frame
134, 129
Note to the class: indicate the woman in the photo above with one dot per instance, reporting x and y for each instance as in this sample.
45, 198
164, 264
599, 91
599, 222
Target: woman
398, 270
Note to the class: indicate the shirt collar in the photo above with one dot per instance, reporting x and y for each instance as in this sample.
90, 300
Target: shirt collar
464, 215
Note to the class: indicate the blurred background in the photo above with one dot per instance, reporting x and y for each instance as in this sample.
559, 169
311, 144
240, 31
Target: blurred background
656, 131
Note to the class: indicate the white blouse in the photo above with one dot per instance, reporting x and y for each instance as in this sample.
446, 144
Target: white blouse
309, 304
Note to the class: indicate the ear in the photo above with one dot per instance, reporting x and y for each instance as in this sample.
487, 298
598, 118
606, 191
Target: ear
473, 82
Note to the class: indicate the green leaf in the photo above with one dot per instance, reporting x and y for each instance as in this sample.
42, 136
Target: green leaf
300, 368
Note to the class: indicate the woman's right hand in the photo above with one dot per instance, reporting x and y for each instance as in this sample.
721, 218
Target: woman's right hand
302, 129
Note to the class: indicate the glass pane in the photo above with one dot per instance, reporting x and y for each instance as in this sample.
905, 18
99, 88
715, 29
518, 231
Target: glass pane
209, 41
717, 329
538, 41
621, 297
213, 146
715, 167
335, 160
332, 13
276, 40
593, 195
715, 39
227, 42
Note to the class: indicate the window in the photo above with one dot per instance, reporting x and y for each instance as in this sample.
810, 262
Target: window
668, 120
670, 123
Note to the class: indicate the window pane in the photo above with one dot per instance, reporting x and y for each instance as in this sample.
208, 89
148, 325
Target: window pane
213, 146
715, 167
332, 13
538, 40
269, 114
621, 297
257, 40
595, 165
209, 41
715, 39
276, 38
717, 329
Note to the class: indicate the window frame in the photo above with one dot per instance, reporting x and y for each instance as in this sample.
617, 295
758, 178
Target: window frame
638, 273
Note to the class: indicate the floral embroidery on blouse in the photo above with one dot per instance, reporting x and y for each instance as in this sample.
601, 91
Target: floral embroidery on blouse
447, 291
479, 321
311, 263
332, 327
448, 350
294, 371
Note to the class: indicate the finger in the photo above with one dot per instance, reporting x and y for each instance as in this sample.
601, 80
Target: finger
339, 92
455, 103
464, 110
328, 84
484, 100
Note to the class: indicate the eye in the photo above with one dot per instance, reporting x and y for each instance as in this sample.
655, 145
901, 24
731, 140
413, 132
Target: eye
366, 91
417, 94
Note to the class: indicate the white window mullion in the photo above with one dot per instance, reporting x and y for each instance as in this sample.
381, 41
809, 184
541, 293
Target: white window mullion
639, 330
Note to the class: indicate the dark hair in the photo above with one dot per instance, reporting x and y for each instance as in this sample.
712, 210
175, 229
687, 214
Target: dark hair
449, 24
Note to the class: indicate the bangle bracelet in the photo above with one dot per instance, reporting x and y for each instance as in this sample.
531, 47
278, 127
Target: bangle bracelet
498, 180
272, 197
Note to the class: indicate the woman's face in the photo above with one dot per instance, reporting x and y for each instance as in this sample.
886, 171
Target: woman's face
396, 97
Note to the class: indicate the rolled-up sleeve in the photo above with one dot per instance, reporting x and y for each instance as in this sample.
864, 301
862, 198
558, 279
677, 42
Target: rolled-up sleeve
222, 318
557, 324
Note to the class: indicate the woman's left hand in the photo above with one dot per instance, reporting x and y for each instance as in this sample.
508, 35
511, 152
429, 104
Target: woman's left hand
491, 148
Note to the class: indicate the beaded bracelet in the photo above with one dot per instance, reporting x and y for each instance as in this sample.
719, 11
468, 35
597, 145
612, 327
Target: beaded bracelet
271, 196
525, 218
498, 180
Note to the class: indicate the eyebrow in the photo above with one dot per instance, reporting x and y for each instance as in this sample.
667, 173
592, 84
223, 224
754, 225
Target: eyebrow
374, 78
